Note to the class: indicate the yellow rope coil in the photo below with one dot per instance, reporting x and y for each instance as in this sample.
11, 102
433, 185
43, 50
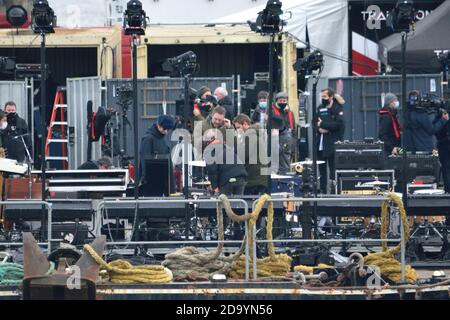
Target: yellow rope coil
123, 272
310, 270
271, 266
385, 261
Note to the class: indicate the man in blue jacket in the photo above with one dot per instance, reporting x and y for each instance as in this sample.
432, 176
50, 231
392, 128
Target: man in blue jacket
421, 128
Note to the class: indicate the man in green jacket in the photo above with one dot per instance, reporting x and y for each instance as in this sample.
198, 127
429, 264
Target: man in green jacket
248, 137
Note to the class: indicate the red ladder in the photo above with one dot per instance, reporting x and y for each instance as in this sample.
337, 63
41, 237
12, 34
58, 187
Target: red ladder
60, 106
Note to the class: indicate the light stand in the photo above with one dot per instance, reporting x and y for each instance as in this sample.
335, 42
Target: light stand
269, 22
184, 66
315, 151
135, 120
269, 107
405, 117
307, 67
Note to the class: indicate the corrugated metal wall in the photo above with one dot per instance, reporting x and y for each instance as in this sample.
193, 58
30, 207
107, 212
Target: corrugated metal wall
15, 91
156, 95
363, 96
79, 92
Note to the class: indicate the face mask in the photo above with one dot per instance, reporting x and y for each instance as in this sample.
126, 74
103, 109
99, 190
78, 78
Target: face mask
282, 105
11, 115
263, 105
4, 125
397, 104
325, 102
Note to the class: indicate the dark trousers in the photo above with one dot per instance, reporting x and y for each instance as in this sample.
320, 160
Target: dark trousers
234, 188
329, 163
444, 157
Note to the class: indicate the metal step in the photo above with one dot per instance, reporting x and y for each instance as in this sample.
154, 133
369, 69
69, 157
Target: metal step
57, 158
59, 123
57, 141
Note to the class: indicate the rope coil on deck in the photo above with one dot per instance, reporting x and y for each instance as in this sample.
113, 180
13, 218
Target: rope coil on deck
123, 272
11, 274
386, 261
190, 263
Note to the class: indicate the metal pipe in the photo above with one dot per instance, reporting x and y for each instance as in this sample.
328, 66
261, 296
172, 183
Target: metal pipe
402, 252
247, 262
135, 120
330, 240
125, 243
255, 274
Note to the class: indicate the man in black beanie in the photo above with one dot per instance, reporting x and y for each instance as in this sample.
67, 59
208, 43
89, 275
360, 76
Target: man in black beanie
154, 142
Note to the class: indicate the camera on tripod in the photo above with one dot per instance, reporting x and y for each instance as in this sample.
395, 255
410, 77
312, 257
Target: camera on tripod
428, 102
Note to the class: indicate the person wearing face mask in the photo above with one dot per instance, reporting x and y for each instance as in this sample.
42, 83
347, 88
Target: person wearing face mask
3, 126
259, 115
17, 127
331, 128
282, 112
204, 104
390, 129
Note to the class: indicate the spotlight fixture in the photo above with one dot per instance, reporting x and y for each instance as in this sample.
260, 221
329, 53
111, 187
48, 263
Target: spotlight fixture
183, 64
402, 17
307, 65
135, 20
17, 16
43, 17
269, 20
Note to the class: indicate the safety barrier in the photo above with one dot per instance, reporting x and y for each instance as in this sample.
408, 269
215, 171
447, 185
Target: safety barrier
315, 200
102, 205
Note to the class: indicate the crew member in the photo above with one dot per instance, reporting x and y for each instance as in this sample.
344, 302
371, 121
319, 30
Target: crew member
331, 128
204, 104
259, 115
389, 125
421, 128
281, 110
3, 126
154, 142
224, 100
104, 163
249, 136
16, 130
443, 146
225, 170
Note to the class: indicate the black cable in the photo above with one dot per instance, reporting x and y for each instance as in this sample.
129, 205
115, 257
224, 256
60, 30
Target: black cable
335, 56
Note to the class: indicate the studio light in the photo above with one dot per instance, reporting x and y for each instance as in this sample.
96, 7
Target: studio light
183, 64
43, 17
135, 20
269, 20
7, 65
402, 17
17, 16
307, 65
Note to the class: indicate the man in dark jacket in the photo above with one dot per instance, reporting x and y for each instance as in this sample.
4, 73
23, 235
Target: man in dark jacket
421, 128
331, 128
282, 114
259, 115
249, 139
224, 100
16, 130
154, 142
227, 177
443, 145
389, 126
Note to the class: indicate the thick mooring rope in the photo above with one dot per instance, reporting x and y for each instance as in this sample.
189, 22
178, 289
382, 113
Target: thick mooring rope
386, 261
